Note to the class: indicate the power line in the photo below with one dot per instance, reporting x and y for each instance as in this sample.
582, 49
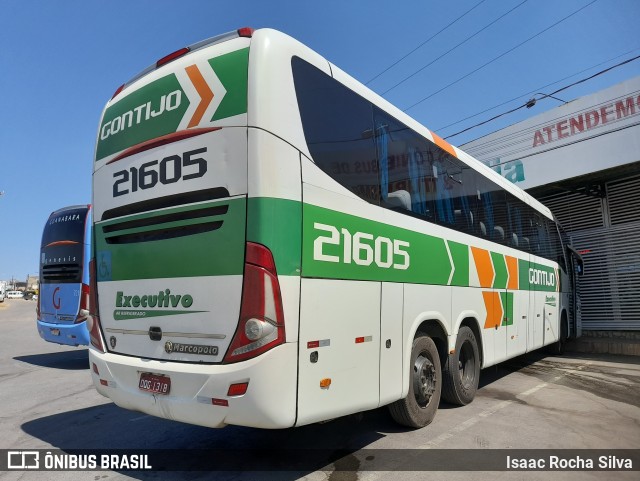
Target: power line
439, 129
545, 96
500, 56
426, 41
452, 49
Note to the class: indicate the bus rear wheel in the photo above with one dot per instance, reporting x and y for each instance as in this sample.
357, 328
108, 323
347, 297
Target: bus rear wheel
461, 372
425, 384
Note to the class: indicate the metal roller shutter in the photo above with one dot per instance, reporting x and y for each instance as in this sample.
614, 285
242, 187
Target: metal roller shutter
607, 233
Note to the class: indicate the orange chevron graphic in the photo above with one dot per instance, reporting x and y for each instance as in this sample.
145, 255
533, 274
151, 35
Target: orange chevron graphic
206, 95
512, 268
443, 144
494, 309
484, 266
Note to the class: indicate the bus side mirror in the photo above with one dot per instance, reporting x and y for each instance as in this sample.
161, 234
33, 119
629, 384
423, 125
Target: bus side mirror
579, 266
578, 262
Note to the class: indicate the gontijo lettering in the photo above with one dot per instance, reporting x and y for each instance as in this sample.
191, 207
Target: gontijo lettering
542, 278
140, 114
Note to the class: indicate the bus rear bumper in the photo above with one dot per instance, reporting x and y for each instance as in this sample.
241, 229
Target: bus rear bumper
198, 393
66, 334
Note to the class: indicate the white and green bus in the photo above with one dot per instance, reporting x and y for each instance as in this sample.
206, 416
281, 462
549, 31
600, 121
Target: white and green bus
276, 245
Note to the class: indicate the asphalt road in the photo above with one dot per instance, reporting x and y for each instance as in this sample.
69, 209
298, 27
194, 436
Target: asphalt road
532, 402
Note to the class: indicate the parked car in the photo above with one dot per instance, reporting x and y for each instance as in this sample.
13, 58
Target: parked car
14, 295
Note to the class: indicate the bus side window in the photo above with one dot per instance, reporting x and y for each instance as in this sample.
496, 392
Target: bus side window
444, 184
557, 252
515, 223
530, 231
485, 209
405, 167
338, 128
543, 238
466, 200
500, 216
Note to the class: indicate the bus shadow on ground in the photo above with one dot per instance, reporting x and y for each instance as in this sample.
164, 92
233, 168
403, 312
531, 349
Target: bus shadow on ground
68, 360
202, 453
495, 373
500, 370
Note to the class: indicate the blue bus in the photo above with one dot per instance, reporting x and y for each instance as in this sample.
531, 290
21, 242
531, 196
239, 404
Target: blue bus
65, 252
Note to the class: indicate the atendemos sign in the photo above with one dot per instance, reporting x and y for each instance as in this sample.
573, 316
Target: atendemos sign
322, 460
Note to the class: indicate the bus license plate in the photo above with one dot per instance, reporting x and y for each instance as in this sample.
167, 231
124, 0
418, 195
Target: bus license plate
55, 332
154, 383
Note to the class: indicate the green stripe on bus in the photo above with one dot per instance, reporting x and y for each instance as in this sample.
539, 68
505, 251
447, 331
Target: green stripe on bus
153, 251
537, 277
507, 306
276, 224
158, 108
233, 71
460, 256
147, 113
500, 269
342, 246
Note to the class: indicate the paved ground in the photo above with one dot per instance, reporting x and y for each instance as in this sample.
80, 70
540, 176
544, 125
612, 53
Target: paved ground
532, 402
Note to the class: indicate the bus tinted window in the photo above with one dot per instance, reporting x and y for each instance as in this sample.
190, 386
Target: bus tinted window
386, 163
406, 172
63, 246
338, 129
516, 216
555, 244
68, 226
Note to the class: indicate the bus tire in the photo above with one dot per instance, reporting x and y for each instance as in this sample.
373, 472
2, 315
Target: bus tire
461, 371
425, 384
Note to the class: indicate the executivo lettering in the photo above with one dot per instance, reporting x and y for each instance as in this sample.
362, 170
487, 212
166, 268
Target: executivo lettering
164, 303
162, 299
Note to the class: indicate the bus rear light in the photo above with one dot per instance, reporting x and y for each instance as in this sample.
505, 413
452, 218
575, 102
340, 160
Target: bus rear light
117, 92
261, 325
260, 256
83, 312
93, 318
172, 56
256, 329
245, 32
239, 389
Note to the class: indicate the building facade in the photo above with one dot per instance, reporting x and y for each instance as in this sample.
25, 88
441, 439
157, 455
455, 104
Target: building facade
582, 160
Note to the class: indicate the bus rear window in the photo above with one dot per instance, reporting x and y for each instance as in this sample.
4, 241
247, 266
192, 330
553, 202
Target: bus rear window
66, 226
62, 249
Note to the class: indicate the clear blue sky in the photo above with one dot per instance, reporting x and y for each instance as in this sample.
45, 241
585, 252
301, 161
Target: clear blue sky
62, 60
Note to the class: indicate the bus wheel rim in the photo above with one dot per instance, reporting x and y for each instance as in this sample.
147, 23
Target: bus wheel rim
466, 364
424, 380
